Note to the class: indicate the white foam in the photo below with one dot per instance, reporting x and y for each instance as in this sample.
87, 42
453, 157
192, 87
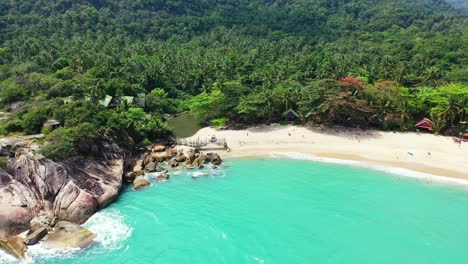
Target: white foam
259, 260
371, 165
110, 228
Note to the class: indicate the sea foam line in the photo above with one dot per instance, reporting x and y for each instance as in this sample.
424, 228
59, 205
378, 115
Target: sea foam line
374, 166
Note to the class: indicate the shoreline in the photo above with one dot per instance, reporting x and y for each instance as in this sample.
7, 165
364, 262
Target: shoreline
395, 170
418, 152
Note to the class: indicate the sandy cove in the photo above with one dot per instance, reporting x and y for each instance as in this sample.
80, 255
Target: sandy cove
422, 152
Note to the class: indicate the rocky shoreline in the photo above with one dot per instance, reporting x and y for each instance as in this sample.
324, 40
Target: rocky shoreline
163, 158
51, 199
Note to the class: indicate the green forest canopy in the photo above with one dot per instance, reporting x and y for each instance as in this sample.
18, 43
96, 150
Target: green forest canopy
335, 61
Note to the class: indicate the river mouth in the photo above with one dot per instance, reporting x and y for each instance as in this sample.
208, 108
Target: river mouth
185, 125
275, 210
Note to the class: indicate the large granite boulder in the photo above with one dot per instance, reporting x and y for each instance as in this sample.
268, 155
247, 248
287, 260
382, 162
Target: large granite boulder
151, 167
201, 160
14, 246
173, 162
68, 235
162, 177
35, 236
214, 158
140, 182
180, 157
160, 156
70, 190
159, 148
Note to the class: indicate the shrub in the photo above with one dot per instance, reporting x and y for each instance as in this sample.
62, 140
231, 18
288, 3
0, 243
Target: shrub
391, 125
47, 130
11, 126
32, 122
283, 123
219, 122
59, 144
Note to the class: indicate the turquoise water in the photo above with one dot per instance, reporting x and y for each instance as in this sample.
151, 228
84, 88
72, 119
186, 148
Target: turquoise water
280, 211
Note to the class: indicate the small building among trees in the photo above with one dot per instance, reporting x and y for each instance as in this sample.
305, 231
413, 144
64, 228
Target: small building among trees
424, 123
290, 115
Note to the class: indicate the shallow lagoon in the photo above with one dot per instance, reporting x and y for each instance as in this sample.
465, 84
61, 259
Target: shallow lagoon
268, 210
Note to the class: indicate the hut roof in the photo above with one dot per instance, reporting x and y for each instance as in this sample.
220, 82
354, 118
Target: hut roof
128, 99
67, 99
290, 111
424, 123
375, 119
106, 101
51, 122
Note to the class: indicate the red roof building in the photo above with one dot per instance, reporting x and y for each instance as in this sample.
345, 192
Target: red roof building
424, 123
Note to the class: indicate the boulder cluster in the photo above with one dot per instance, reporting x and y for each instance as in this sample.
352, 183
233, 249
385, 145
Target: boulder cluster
53, 233
161, 159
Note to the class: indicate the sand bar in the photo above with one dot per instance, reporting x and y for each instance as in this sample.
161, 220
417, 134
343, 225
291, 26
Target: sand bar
422, 152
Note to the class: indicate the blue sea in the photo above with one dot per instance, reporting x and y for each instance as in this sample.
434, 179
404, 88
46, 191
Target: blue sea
278, 210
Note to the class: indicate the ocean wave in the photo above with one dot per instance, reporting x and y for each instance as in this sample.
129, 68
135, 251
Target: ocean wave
373, 166
110, 228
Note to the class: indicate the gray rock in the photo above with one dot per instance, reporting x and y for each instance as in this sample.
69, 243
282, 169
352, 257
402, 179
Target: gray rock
41, 221
35, 236
214, 158
151, 167
162, 177
68, 235
140, 182
173, 162
11, 142
180, 157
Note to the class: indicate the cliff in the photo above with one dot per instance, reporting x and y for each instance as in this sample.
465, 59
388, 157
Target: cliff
70, 190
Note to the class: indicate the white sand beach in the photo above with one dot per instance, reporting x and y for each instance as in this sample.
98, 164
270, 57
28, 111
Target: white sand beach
422, 152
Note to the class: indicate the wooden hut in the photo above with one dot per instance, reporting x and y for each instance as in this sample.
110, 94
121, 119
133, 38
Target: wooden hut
424, 123
290, 115
465, 134
375, 121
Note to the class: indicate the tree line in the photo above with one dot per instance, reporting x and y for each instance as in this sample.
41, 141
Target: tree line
228, 61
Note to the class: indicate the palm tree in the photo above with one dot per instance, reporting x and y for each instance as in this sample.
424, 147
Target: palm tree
95, 93
450, 110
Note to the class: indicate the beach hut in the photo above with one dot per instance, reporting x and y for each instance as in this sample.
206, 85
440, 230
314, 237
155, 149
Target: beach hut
67, 100
424, 123
128, 100
106, 101
465, 134
375, 121
52, 123
290, 115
